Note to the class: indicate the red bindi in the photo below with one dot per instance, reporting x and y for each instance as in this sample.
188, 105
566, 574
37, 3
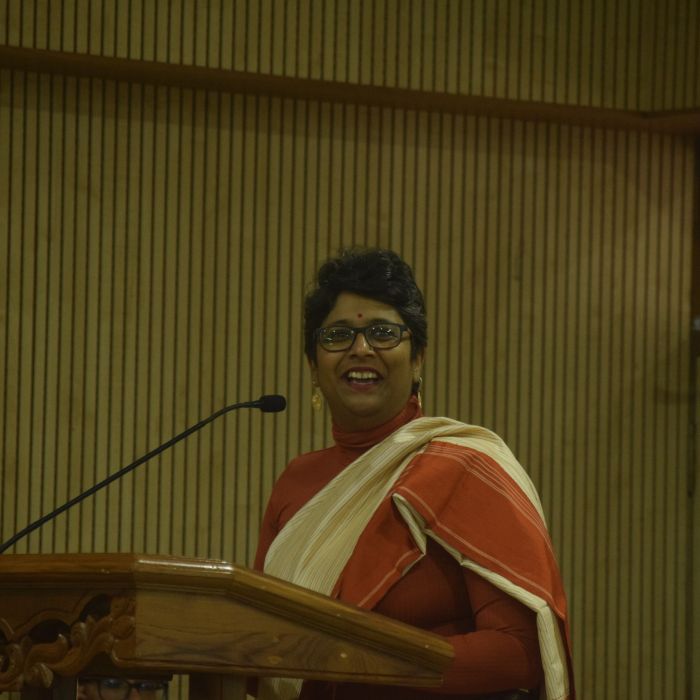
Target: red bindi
359, 315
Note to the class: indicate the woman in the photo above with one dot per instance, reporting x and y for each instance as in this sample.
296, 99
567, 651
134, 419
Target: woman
426, 520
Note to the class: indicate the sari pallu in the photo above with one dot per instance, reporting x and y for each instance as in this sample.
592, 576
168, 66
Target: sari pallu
457, 484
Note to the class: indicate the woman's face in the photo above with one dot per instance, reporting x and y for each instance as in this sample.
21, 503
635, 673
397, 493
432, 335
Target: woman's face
365, 387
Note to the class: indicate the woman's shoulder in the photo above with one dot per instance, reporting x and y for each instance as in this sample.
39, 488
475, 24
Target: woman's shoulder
458, 453
431, 429
306, 459
309, 465
301, 479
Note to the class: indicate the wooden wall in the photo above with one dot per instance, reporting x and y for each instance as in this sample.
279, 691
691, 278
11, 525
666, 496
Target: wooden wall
627, 54
155, 244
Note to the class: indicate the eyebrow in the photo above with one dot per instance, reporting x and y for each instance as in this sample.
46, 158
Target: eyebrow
370, 322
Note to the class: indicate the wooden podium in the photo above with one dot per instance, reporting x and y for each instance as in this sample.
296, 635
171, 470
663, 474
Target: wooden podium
139, 616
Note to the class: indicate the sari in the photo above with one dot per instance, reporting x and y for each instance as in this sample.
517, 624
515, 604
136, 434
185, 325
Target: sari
435, 478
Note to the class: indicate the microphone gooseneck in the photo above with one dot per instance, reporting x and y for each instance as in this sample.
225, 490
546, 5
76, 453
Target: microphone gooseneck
269, 403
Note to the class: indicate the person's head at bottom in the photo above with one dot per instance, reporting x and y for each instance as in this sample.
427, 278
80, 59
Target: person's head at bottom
365, 334
121, 689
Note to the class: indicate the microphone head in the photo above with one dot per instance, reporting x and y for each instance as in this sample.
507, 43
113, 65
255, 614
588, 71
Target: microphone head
271, 403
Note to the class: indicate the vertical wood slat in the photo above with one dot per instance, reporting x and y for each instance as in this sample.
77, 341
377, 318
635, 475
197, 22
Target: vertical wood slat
154, 239
157, 239
624, 55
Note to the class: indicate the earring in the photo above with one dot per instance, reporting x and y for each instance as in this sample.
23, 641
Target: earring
418, 394
316, 401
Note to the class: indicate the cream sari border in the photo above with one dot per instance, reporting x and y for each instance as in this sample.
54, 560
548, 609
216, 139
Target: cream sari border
315, 545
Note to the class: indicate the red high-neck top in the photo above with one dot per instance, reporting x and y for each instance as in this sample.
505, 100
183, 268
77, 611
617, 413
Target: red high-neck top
493, 635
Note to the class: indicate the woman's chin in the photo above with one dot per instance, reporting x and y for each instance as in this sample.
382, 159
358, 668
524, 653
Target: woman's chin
364, 403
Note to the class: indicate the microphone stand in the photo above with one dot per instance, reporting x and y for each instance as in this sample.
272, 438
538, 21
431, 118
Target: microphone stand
265, 403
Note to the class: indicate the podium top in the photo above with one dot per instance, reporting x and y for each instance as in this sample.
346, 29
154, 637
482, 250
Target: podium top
178, 614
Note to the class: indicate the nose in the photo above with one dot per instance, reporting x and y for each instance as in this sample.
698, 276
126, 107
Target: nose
360, 345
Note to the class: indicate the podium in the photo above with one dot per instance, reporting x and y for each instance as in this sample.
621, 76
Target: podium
137, 616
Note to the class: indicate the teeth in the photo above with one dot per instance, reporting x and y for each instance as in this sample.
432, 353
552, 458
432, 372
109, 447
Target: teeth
362, 375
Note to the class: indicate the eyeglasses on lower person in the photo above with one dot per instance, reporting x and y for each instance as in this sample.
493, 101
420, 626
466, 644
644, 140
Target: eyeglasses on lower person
122, 689
379, 336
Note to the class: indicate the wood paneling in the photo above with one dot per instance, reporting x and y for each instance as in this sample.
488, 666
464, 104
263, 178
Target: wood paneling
635, 55
157, 245
156, 241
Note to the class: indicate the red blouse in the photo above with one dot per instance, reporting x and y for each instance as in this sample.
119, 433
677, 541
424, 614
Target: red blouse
493, 635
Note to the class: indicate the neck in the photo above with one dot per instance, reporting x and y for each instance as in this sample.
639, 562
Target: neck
364, 437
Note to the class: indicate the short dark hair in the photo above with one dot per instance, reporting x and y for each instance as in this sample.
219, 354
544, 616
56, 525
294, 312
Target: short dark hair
370, 272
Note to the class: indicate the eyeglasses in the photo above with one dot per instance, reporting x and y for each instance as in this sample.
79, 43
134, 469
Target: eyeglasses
120, 688
379, 336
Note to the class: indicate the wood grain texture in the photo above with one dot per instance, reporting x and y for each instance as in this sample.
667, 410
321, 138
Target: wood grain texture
220, 80
639, 55
155, 242
166, 614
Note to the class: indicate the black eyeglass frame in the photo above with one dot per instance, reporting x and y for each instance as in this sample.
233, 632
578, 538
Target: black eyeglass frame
403, 328
162, 685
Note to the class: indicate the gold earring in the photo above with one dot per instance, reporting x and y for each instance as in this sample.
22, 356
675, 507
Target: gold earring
418, 394
316, 402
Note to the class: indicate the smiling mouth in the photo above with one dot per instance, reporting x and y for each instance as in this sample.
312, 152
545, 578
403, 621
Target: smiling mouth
362, 377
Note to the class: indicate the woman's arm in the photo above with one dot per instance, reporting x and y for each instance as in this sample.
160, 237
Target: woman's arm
503, 650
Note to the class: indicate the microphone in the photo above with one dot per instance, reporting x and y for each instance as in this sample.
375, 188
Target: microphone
269, 403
